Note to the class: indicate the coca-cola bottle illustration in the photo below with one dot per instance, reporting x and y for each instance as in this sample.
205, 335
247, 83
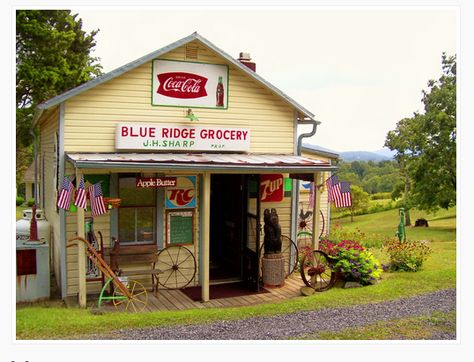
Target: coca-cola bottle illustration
220, 93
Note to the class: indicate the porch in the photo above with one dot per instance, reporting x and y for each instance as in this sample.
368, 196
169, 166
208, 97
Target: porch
173, 300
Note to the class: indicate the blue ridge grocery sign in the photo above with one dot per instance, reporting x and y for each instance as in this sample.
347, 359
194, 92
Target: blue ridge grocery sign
181, 138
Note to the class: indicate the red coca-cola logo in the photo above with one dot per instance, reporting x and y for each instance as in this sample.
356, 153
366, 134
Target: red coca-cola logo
182, 85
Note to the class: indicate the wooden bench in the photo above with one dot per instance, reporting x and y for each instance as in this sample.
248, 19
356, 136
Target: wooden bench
142, 258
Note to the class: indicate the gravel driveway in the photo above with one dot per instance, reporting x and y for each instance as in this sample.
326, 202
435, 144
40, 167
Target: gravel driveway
300, 323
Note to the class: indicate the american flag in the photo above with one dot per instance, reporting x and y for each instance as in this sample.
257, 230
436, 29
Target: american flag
64, 199
80, 200
97, 200
343, 196
330, 183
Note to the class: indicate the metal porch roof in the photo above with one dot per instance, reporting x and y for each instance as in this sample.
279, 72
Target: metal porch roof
200, 161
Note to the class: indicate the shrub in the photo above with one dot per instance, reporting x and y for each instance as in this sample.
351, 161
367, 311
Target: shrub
406, 255
352, 260
367, 240
19, 201
381, 196
31, 202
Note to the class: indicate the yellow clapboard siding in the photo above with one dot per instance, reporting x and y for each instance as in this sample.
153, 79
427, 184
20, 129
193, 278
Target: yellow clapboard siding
128, 98
48, 192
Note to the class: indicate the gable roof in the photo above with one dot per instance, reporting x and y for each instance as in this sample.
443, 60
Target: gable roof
149, 57
319, 150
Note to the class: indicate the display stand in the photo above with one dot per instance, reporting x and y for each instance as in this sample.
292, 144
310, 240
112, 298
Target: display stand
273, 270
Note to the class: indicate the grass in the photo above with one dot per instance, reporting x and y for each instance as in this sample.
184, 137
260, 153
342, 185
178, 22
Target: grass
413, 328
53, 321
442, 225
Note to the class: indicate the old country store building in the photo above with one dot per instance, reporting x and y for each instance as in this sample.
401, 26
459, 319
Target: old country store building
182, 136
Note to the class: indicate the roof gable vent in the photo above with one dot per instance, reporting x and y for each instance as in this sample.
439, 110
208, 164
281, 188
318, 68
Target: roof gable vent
191, 51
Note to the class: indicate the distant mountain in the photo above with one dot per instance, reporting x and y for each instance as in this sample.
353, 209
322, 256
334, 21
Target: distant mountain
377, 156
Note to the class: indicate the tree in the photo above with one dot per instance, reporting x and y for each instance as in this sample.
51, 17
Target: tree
360, 200
53, 54
426, 144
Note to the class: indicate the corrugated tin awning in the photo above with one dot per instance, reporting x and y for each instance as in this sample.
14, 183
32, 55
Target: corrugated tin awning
200, 161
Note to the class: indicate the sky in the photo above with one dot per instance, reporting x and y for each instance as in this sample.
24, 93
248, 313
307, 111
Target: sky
359, 70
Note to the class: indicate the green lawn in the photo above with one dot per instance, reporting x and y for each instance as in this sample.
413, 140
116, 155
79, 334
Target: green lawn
44, 321
442, 225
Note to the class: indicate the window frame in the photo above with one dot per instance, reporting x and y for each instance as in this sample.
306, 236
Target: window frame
154, 207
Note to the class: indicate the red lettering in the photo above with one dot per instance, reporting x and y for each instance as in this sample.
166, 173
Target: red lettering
164, 133
181, 197
124, 131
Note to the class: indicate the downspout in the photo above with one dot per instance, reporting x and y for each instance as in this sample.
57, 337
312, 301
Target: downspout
35, 159
306, 135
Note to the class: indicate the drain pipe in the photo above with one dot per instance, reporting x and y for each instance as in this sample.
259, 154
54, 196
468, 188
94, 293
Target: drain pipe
306, 135
35, 159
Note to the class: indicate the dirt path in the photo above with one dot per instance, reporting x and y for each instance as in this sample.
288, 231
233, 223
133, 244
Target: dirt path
300, 323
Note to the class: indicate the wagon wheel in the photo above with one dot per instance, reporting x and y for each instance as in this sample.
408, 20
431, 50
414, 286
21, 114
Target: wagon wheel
316, 271
305, 220
138, 300
289, 251
178, 267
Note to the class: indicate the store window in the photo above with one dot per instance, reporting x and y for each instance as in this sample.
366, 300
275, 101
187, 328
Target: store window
137, 212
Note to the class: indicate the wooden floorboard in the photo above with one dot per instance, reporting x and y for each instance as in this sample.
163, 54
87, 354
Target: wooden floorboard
166, 299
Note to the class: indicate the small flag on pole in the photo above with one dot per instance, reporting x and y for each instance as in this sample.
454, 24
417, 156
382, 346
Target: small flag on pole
97, 200
80, 200
330, 183
311, 195
343, 196
65, 195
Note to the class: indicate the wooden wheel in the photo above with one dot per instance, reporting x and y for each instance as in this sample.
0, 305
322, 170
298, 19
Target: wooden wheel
316, 271
289, 251
138, 300
178, 267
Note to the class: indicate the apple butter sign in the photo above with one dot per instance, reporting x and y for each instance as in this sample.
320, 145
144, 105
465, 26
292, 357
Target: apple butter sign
186, 84
180, 138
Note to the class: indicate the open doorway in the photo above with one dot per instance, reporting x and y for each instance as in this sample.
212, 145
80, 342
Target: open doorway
228, 205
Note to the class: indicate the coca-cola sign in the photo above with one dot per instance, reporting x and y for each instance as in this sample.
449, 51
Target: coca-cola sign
182, 85
188, 84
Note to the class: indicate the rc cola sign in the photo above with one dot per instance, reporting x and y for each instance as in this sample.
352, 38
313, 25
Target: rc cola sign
187, 84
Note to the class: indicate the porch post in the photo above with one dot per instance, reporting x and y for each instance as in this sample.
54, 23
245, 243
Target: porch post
81, 251
206, 220
316, 208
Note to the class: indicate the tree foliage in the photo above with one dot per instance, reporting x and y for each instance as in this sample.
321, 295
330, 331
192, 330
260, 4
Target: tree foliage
360, 200
426, 144
53, 54
372, 177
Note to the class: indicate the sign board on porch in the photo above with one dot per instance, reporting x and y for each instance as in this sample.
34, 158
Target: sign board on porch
183, 194
169, 137
188, 84
179, 227
271, 188
155, 182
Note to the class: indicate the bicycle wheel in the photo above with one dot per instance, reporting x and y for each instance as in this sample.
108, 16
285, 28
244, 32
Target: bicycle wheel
178, 267
316, 271
289, 251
